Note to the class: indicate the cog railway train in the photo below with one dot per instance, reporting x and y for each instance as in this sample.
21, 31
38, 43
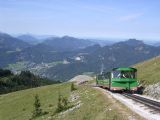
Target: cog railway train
119, 79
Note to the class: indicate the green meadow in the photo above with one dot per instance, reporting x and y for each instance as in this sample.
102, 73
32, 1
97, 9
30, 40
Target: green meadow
149, 71
89, 104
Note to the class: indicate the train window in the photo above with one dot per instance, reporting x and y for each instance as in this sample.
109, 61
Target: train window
116, 74
128, 74
104, 76
124, 74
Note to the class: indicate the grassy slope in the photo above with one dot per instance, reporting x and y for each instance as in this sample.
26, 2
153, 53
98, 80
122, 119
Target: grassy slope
149, 71
19, 105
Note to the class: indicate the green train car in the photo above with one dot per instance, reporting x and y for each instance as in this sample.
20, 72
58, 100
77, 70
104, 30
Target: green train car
119, 79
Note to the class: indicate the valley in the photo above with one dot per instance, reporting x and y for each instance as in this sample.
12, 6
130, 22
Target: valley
61, 61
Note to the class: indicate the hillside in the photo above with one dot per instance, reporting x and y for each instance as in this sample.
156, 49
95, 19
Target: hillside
28, 39
67, 43
87, 103
9, 46
10, 82
92, 58
10, 43
149, 71
148, 75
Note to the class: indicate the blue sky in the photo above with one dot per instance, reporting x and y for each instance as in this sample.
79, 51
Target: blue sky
82, 18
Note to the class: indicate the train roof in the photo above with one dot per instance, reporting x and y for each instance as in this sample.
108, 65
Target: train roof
125, 69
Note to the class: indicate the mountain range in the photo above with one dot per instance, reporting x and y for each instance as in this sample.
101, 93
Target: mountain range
29, 39
61, 58
10, 43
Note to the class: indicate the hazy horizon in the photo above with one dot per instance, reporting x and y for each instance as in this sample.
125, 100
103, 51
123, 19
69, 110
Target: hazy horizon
114, 39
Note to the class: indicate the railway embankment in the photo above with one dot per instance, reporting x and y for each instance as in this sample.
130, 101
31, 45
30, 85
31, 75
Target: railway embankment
153, 91
139, 108
148, 75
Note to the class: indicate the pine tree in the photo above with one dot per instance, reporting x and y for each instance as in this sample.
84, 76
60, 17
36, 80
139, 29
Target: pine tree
37, 107
73, 87
62, 103
59, 105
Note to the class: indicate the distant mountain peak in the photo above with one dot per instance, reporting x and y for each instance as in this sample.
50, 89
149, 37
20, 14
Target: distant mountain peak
68, 37
135, 41
26, 36
4, 34
67, 43
9, 43
131, 42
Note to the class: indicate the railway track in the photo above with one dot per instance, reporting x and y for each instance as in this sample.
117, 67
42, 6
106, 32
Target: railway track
148, 109
148, 102
154, 105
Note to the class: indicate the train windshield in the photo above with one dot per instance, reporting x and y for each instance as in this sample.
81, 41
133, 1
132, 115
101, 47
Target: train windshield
124, 74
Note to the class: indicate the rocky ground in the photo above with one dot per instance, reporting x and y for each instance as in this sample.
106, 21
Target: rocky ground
153, 91
80, 79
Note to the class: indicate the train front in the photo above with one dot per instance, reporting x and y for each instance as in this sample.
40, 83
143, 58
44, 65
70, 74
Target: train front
124, 79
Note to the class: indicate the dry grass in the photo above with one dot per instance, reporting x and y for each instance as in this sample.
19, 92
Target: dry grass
149, 71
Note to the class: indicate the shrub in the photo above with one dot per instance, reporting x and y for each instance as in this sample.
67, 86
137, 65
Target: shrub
37, 107
73, 87
62, 104
4, 73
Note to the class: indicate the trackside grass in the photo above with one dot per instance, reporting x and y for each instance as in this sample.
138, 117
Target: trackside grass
149, 71
88, 104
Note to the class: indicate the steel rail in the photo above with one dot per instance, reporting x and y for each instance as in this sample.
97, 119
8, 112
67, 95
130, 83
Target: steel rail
148, 102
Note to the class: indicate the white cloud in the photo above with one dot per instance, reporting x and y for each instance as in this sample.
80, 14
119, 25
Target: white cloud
130, 17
